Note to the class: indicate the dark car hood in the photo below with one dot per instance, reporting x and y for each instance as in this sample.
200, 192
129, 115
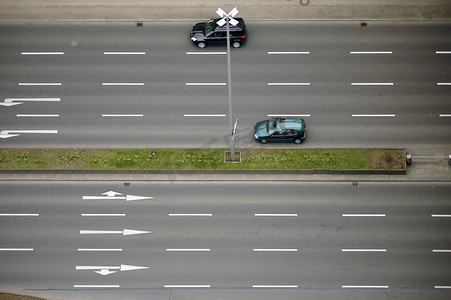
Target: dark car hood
261, 129
198, 28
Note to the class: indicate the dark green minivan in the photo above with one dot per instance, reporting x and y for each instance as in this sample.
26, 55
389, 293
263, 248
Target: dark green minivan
281, 130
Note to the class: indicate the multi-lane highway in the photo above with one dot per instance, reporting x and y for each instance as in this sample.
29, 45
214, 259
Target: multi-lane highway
387, 84
176, 240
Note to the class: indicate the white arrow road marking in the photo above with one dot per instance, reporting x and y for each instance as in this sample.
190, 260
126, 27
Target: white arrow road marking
123, 232
105, 270
112, 195
4, 134
17, 101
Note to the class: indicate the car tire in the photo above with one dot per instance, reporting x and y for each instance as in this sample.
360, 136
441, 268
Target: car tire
236, 44
264, 141
298, 141
201, 45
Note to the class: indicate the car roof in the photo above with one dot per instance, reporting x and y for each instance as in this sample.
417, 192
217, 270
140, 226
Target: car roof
290, 123
240, 26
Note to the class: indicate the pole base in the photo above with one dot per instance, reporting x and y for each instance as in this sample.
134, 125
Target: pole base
228, 157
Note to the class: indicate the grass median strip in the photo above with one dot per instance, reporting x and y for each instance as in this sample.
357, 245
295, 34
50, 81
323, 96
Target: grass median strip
19, 158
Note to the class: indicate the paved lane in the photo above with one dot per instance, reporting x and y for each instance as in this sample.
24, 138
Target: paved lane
384, 85
231, 239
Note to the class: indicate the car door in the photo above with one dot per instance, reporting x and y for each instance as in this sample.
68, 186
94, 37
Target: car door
280, 135
218, 38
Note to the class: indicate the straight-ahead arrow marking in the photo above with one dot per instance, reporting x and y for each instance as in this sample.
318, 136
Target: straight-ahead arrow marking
112, 195
106, 270
123, 232
4, 134
17, 101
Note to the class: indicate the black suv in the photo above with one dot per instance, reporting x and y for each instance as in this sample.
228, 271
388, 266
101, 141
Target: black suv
209, 32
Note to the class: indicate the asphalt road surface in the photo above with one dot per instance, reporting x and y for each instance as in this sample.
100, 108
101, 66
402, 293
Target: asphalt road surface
387, 84
177, 240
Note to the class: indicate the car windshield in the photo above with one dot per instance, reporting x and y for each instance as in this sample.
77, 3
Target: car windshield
271, 125
209, 27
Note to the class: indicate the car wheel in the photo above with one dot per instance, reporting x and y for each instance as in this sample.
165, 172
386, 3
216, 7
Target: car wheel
236, 44
201, 45
264, 141
297, 141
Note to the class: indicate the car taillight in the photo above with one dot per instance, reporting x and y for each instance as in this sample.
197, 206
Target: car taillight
242, 37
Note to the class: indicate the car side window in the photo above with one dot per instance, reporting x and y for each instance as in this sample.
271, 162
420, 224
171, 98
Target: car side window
291, 132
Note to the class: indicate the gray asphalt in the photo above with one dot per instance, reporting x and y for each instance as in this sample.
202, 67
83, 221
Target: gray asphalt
405, 267
414, 68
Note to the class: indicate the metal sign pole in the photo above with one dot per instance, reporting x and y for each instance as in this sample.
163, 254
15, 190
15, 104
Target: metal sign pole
229, 84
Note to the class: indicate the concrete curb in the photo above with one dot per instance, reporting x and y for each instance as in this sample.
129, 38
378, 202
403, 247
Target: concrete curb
204, 175
162, 13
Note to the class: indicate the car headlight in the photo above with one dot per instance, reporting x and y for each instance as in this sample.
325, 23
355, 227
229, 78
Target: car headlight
193, 39
256, 136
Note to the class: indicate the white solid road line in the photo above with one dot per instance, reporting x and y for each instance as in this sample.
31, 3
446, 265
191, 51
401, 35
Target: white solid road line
365, 286
19, 215
363, 215
442, 287
442, 52
103, 215
288, 83
206, 53
205, 84
276, 215
443, 83
37, 116
96, 286
188, 250
186, 285
123, 115
289, 115
373, 115
16, 249
364, 250
42, 53
444, 115
288, 52
124, 53
275, 250
258, 286
372, 83
370, 52
40, 83
98, 250
441, 216
441, 251
205, 115
122, 83
190, 215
